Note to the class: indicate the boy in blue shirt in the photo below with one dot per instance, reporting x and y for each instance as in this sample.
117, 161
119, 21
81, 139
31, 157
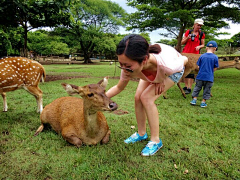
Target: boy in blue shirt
207, 63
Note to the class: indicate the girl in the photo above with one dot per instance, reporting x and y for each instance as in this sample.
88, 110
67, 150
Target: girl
158, 66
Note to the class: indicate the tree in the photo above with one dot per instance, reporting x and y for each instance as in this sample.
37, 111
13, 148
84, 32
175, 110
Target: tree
171, 42
10, 41
236, 40
41, 42
107, 45
90, 19
176, 16
33, 14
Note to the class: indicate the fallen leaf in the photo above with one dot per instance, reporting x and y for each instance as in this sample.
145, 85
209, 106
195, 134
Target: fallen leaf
185, 172
175, 166
185, 149
132, 127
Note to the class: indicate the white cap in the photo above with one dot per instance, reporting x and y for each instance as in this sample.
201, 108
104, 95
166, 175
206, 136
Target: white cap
199, 21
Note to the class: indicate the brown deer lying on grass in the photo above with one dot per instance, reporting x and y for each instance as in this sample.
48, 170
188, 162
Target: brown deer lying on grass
192, 66
80, 120
19, 72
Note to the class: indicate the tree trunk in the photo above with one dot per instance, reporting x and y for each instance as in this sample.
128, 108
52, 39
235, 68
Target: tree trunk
179, 39
25, 41
87, 58
87, 51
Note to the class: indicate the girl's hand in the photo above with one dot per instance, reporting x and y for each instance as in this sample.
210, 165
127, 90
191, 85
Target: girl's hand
159, 88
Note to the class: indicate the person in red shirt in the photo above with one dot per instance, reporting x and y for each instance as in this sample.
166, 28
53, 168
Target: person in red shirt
194, 40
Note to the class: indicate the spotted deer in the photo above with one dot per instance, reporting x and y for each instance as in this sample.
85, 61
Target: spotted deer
80, 120
192, 66
20, 72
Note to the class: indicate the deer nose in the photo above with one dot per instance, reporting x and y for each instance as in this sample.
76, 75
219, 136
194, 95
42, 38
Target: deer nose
113, 106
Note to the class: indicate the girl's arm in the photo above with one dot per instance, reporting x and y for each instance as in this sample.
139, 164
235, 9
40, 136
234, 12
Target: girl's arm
113, 91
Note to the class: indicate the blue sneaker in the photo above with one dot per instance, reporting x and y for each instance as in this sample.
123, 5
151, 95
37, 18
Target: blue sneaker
151, 148
203, 105
193, 102
135, 138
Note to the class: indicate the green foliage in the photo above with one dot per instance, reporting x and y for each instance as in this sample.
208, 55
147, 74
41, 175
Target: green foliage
33, 14
171, 42
10, 41
90, 19
205, 141
42, 43
177, 16
236, 40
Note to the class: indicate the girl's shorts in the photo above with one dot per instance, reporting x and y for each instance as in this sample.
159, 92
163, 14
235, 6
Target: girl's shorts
176, 76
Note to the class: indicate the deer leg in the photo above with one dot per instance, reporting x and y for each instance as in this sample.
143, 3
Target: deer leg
106, 138
183, 93
5, 107
70, 136
39, 130
37, 93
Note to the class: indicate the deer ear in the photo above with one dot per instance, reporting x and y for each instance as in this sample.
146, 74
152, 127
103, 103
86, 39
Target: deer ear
104, 82
70, 89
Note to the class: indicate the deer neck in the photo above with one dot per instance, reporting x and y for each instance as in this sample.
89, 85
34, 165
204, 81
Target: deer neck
90, 120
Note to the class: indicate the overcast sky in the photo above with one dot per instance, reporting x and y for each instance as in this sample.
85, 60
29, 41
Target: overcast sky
234, 28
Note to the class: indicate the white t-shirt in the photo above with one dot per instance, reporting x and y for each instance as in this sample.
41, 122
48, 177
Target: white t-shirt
169, 61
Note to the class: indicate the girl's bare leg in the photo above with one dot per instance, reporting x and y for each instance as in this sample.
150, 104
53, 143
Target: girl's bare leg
139, 109
148, 98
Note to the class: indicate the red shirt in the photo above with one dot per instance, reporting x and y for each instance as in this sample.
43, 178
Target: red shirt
190, 45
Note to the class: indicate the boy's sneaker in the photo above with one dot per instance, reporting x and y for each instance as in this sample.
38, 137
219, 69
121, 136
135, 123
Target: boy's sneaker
151, 148
193, 102
135, 138
203, 105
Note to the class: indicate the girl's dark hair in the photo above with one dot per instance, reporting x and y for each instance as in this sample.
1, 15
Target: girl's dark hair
136, 47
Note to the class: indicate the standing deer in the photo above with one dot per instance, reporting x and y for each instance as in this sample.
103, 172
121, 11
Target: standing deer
20, 72
192, 66
80, 121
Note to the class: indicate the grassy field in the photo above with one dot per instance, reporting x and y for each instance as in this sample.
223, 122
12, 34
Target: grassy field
199, 143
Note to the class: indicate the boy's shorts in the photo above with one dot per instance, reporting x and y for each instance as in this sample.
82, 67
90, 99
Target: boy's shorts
176, 76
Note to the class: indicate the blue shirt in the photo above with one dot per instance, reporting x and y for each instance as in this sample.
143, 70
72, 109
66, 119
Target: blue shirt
207, 62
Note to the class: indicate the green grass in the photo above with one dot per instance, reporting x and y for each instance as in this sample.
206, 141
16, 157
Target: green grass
204, 141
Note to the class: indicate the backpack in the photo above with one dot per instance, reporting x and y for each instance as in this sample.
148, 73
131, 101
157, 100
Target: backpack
200, 36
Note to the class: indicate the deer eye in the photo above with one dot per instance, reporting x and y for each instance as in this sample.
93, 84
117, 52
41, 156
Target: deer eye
90, 95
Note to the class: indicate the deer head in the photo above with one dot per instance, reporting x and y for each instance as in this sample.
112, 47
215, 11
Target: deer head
93, 95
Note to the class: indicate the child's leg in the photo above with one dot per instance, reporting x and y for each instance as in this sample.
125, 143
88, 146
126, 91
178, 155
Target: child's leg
207, 90
197, 88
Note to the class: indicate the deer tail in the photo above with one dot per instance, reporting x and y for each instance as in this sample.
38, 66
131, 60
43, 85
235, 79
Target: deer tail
43, 75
